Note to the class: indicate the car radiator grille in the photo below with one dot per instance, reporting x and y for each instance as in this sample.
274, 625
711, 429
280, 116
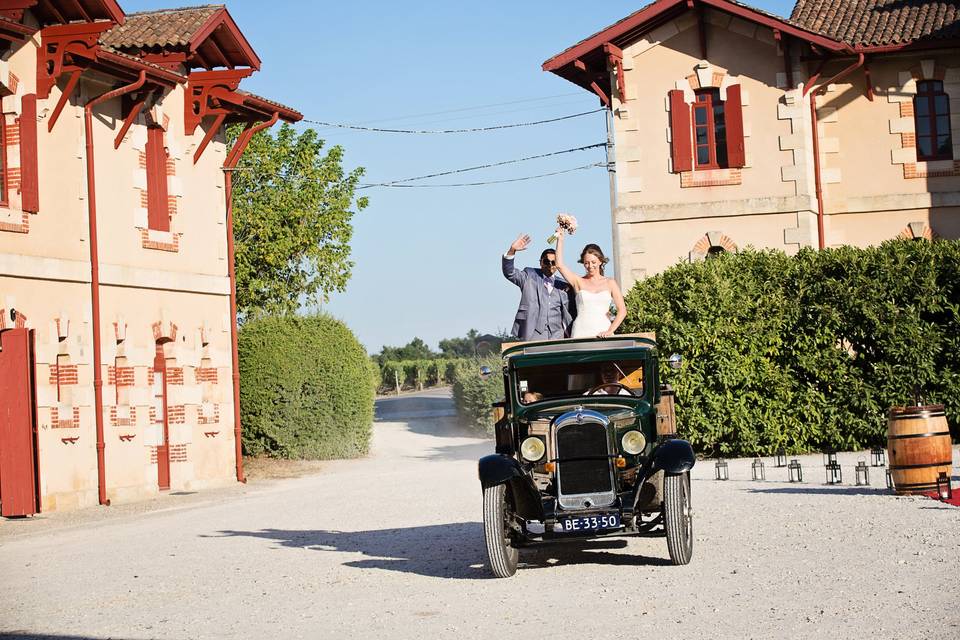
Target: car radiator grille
584, 465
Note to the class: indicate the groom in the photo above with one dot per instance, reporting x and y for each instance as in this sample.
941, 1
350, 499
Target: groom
547, 306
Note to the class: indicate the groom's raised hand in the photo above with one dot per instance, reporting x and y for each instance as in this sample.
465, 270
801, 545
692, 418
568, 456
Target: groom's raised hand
521, 243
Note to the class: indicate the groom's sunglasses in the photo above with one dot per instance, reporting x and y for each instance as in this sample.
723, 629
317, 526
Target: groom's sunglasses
546, 261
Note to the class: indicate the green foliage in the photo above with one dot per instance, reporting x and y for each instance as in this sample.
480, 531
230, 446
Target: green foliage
805, 352
415, 374
416, 349
292, 211
474, 396
460, 347
306, 388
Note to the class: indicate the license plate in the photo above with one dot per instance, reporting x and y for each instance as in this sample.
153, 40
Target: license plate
590, 523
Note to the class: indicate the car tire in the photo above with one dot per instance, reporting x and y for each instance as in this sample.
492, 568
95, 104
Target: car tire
678, 517
502, 556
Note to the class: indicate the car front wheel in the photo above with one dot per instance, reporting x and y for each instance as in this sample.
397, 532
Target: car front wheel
497, 521
678, 517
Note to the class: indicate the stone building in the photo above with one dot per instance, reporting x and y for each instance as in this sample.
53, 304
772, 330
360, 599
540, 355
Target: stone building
734, 127
117, 307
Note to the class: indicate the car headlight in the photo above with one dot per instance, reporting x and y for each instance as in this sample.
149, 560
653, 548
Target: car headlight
532, 449
633, 442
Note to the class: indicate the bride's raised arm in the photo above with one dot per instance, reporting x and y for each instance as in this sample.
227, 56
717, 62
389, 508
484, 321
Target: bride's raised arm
568, 275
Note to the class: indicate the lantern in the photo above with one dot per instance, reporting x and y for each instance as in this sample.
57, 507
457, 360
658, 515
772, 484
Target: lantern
862, 471
757, 471
889, 480
723, 473
834, 472
781, 459
878, 457
795, 471
944, 489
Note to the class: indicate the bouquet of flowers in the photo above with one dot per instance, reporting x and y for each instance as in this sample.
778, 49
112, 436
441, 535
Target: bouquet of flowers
566, 222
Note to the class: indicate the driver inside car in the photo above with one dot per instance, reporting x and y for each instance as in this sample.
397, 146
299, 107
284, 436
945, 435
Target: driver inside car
610, 384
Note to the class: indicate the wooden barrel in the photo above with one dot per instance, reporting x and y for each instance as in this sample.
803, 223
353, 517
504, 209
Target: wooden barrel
918, 446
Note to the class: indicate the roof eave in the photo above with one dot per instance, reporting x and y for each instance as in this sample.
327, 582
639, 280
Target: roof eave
223, 17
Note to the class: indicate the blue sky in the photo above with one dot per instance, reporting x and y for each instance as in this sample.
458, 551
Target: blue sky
427, 260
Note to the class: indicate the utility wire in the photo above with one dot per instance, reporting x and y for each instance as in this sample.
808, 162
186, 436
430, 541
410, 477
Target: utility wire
477, 184
483, 166
471, 130
478, 107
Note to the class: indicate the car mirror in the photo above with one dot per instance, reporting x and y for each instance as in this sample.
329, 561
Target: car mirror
485, 372
675, 360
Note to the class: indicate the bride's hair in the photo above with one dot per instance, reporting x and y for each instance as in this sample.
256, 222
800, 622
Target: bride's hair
597, 251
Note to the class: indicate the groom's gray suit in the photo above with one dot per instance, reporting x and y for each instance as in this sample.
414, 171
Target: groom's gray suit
542, 314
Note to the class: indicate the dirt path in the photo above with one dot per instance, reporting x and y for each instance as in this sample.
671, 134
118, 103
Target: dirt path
391, 546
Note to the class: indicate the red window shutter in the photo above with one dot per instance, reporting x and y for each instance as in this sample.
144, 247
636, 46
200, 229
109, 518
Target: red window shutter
681, 146
29, 172
158, 214
733, 111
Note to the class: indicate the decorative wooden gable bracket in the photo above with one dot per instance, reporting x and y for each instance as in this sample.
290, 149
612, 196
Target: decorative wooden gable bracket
60, 47
615, 62
701, 26
211, 93
593, 76
14, 9
132, 105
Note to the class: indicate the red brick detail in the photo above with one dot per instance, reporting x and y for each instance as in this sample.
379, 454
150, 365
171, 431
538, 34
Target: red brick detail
172, 205
178, 453
23, 227
14, 179
906, 109
908, 140
120, 376
717, 78
20, 322
175, 375
123, 422
13, 82
695, 179
177, 414
158, 332
153, 415
144, 201
703, 244
207, 374
147, 243
214, 419
694, 81
171, 167
910, 170
63, 373
142, 160
153, 455
69, 423
13, 134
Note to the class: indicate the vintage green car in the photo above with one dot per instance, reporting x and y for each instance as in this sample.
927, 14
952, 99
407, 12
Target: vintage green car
585, 447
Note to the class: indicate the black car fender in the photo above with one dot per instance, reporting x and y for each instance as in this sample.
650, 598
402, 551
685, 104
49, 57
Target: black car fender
499, 469
673, 456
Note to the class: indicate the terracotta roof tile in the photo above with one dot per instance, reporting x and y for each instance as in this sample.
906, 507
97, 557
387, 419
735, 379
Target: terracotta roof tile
163, 28
879, 22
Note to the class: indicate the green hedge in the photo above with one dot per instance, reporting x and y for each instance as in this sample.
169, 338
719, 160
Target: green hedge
416, 374
806, 352
306, 389
473, 396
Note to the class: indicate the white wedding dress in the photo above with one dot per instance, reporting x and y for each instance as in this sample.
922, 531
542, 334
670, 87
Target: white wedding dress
592, 318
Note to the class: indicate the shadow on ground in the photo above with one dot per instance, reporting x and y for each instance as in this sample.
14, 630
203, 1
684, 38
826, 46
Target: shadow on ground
35, 635
827, 490
402, 408
453, 551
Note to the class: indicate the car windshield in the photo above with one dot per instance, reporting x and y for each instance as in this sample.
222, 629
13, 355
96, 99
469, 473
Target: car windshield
611, 377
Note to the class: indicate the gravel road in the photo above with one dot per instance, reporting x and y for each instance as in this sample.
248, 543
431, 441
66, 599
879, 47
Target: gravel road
392, 547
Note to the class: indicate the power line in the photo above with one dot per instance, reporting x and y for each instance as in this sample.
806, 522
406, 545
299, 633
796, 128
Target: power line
475, 108
391, 183
477, 184
471, 130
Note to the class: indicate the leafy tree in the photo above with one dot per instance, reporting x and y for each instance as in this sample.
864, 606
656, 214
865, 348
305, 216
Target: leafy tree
292, 212
460, 347
416, 349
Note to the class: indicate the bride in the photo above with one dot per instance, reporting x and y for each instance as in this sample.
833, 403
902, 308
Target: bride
595, 292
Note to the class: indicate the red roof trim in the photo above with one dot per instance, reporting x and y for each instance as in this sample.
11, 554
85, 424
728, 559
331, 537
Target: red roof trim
223, 18
650, 13
269, 107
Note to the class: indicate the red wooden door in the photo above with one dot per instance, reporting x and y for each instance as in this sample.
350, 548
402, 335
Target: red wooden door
160, 410
19, 480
